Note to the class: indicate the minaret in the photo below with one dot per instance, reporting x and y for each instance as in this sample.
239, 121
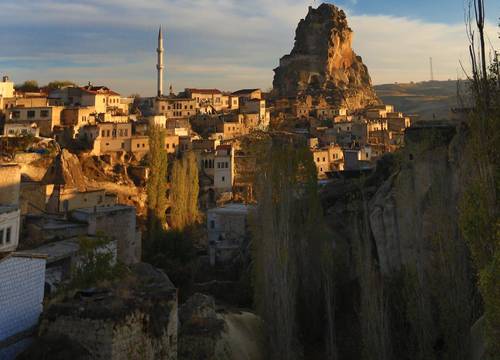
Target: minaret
159, 65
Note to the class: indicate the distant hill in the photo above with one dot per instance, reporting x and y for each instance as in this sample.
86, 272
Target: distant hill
427, 99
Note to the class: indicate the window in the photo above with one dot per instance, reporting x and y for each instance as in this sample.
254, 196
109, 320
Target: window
103, 133
31, 113
108, 133
7, 236
324, 159
114, 132
167, 146
223, 179
138, 145
123, 145
1, 237
16, 114
125, 132
212, 224
44, 113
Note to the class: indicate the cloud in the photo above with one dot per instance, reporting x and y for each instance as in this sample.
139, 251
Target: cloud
217, 43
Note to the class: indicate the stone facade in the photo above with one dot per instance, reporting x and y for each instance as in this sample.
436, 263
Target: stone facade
322, 63
10, 182
118, 222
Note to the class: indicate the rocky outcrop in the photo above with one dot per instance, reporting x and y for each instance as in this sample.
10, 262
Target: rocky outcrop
205, 333
399, 233
137, 319
322, 63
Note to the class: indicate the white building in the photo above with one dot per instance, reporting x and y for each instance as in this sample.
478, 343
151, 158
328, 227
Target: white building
22, 280
224, 168
6, 90
21, 129
227, 231
9, 228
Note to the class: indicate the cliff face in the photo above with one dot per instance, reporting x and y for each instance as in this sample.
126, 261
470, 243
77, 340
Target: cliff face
323, 64
399, 233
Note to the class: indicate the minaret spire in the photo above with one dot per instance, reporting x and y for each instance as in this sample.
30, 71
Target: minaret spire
159, 65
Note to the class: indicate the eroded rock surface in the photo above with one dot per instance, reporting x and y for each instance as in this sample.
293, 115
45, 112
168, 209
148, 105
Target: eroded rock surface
323, 64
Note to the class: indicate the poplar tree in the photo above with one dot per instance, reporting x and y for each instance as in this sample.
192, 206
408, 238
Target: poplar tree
157, 182
287, 239
185, 190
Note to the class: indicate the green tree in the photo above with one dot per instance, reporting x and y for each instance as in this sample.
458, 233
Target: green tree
28, 86
157, 182
96, 263
287, 237
58, 84
185, 190
479, 211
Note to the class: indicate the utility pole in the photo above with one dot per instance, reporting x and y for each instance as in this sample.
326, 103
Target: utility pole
432, 69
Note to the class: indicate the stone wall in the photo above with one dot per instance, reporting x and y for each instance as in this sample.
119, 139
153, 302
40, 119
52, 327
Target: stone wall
10, 180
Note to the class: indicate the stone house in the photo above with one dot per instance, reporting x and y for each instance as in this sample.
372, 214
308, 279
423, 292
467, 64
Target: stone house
10, 216
107, 137
22, 280
118, 222
10, 221
99, 97
322, 161
172, 107
231, 130
46, 118
325, 112
248, 94
212, 97
327, 159
172, 144
358, 159
21, 129
78, 116
218, 166
25, 100
227, 228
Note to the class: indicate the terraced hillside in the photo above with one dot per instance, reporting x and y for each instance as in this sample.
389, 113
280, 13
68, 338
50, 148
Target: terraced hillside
427, 100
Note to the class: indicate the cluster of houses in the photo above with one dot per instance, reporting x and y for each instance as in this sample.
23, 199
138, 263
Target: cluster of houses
44, 216
344, 140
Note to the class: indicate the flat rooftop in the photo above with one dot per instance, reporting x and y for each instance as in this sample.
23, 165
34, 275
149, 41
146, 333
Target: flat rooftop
233, 209
57, 250
4, 209
103, 209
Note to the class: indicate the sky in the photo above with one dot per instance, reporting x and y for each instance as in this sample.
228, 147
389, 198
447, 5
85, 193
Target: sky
227, 44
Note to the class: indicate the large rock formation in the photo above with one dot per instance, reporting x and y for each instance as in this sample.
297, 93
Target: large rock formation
322, 63
400, 235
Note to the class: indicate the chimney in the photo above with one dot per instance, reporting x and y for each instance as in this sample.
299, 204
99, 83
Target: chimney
5, 78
